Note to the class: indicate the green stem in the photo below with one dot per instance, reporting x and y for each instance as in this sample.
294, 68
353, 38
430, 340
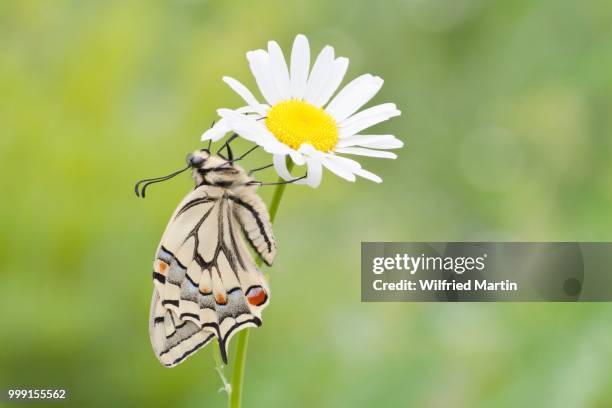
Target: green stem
243, 337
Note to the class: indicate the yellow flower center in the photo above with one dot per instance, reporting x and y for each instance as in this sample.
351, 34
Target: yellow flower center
294, 122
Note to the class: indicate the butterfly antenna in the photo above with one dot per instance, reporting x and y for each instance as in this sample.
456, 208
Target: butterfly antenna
146, 182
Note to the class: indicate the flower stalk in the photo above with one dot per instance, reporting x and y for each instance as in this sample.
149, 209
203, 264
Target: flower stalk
236, 385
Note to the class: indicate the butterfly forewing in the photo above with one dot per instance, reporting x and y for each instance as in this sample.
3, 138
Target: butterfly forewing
207, 284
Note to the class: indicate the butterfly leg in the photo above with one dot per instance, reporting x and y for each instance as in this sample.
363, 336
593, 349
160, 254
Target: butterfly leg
230, 154
246, 153
260, 168
259, 183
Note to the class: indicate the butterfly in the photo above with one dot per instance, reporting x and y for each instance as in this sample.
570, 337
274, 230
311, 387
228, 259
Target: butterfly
206, 283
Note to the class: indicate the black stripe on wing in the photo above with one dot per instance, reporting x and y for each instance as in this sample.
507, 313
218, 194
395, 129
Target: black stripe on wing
193, 203
193, 349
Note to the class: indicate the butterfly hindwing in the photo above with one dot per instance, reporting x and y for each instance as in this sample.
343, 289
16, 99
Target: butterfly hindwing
207, 284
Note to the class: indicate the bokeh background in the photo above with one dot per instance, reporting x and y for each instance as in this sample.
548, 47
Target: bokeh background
507, 124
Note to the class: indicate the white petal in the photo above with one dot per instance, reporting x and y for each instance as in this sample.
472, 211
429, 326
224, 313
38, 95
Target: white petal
279, 69
368, 175
347, 163
216, 132
245, 126
297, 157
371, 141
337, 168
254, 130
222, 126
242, 91
314, 173
280, 165
363, 122
362, 151
332, 82
275, 148
300, 64
249, 132
313, 159
359, 126
259, 61
353, 96
385, 109
309, 150
321, 72
261, 110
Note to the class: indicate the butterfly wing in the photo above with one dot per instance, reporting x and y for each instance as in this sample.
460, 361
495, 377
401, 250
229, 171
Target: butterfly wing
206, 283
252, 215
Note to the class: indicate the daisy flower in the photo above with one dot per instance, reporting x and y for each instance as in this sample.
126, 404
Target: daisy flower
299, 120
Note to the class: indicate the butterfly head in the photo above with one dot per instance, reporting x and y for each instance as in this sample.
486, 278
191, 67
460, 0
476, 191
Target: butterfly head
198, 159
214, 170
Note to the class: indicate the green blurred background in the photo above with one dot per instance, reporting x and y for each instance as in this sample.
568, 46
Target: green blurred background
506, 119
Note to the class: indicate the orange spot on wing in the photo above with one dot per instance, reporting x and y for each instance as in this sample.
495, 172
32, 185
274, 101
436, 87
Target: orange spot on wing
257, 296
220, 299
162, 266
